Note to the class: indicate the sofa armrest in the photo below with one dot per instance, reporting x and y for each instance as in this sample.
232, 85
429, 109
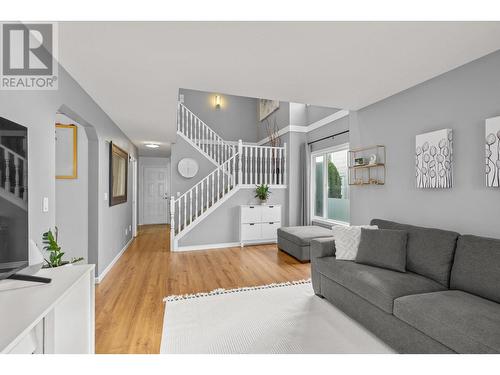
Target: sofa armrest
322, 247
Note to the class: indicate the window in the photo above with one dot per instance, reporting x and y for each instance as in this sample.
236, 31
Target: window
330, 192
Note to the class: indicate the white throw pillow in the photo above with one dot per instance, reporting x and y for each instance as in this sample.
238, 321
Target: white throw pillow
347, 240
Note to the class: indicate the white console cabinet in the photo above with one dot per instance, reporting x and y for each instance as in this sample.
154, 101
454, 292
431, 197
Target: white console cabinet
49, 318
259, 223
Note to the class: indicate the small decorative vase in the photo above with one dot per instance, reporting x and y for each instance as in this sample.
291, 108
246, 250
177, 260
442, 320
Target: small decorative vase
263, 202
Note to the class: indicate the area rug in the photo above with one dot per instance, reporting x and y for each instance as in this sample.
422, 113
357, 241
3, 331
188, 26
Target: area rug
276, 318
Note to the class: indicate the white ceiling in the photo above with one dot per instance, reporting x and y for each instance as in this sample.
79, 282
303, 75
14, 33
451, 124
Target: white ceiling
133, 70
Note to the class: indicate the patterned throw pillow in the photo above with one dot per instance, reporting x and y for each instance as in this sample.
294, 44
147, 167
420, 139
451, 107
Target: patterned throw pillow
347, 240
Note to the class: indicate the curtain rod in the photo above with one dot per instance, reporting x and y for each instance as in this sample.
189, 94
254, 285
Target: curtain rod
327, 137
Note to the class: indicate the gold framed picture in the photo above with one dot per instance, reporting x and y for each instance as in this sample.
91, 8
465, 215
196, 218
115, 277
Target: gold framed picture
266, 107
66, 151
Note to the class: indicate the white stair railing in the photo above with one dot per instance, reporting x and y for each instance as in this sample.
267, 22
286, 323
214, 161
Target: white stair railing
13, 176
249, 166
263, 165
195, 202
202, 136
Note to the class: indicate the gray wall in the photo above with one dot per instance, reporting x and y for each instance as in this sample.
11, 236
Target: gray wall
182, 149
315, 113
236, 119
222, 226
304, 115
334, 127
295, 142
461, 99
37, 111
73, 229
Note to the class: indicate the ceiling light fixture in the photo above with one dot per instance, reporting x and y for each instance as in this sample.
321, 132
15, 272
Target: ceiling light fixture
152, 145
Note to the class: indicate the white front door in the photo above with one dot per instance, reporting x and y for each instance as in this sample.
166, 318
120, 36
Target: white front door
155, 195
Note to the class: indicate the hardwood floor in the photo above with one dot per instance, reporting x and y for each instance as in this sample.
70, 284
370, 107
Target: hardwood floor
129, 306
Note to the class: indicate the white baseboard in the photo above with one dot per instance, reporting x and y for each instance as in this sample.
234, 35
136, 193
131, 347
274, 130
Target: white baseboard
222, 245
207, 247
260, 242
103, 274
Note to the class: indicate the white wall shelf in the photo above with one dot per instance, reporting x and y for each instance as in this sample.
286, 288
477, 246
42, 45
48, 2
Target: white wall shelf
368, 172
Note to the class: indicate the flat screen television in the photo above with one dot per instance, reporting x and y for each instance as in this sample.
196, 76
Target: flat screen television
14, 238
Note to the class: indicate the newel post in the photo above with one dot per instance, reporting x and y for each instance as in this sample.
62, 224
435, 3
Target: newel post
179, 115
284, 165
240, 154
172, 222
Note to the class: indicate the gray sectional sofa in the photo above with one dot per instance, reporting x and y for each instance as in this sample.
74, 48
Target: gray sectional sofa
447, 301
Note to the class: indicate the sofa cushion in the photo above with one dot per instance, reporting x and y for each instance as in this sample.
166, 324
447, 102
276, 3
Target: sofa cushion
384, 248
302, 236
376, 285
322, 247
476, 268
347, 240
463, 322
429, 251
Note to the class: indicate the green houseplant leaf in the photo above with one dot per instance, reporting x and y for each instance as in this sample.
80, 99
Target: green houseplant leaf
262, 192
51, 246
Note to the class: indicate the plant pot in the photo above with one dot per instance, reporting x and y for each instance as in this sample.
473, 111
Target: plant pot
263, 203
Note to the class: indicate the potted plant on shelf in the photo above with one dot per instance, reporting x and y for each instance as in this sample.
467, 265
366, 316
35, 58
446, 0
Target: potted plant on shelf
54, 250
262, 192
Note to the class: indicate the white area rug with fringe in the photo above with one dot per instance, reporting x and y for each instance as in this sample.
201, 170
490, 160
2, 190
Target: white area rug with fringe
275, 318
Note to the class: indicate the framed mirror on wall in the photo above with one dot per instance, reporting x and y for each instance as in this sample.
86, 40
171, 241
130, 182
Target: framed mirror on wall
118, 175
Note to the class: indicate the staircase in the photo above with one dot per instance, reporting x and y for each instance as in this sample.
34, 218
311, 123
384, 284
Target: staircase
238, 167
202, 137
13, 177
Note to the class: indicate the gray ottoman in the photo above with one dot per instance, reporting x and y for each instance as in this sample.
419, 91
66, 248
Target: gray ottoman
296, 240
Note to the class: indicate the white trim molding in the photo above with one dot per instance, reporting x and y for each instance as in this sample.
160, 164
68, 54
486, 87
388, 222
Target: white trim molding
328, 119
220, 245
306, 129
207, 246
103, 274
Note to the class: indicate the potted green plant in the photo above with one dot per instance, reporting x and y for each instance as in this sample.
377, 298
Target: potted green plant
262, 192
54, 250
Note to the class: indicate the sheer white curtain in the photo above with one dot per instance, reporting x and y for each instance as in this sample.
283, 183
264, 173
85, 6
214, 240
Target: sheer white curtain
305, 180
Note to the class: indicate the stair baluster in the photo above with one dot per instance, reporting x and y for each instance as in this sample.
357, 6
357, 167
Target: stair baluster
284, 165
252, 176
25, 182
196, 202
185, 212
218, 183
7, 170
16, 177
213, 189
